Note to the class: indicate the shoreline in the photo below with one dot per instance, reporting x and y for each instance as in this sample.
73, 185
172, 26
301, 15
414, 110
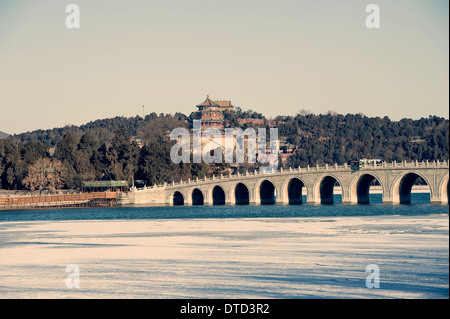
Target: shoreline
337, 190
30, 203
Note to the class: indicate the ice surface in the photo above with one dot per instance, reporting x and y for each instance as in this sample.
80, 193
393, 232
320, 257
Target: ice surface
227, 258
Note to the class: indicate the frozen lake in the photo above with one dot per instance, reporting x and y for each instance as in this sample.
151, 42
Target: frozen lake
139, 253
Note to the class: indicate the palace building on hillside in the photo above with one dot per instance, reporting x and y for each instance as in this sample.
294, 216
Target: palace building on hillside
211, 112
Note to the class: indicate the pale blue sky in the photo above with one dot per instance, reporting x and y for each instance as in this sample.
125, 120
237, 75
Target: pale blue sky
275, 57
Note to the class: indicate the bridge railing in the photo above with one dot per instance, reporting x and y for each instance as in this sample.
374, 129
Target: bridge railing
290, 170
415, 164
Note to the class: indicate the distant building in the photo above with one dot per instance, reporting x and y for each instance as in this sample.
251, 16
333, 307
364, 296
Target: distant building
138, 141
250, 121
224, 105
211, 112
286, 151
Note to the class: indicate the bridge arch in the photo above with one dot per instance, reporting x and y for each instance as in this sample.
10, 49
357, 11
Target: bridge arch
177, 198
218, 195
240, 194
360, 186
292, 190
324, 189
265, 192
402, 186
197, 197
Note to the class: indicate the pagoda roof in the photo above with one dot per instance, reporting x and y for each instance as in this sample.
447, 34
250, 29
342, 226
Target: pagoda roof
208, 103
224, 104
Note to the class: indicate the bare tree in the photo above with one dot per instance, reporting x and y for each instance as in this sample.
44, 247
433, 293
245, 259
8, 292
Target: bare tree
303, 112
45, 174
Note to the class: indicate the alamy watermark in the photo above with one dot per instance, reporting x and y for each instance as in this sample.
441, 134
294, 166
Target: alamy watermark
230, 145
373, 19
73, 18
373, 279
73, 279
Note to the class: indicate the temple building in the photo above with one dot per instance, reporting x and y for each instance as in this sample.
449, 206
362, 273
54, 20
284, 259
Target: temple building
211, 112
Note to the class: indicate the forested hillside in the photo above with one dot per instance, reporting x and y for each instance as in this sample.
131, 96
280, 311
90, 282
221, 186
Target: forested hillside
102, 131
339, 138
139, 148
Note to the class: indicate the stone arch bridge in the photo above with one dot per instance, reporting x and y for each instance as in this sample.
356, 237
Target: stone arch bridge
286, 186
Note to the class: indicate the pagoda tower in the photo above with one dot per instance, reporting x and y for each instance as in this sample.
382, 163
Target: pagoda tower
210, 113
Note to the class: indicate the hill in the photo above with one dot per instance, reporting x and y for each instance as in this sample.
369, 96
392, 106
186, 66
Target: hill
103, 130
137, 148
3, 135
309, 139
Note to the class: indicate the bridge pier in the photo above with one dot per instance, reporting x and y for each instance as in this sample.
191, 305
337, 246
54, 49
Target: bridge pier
254, 198
439, 197
349, 201
346, 196
391, 200
311, 199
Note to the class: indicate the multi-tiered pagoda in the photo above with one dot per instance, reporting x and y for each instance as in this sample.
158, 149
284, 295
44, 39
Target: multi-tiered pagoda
211, 112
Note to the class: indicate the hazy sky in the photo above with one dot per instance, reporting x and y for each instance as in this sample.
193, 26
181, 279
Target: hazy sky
275, 57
